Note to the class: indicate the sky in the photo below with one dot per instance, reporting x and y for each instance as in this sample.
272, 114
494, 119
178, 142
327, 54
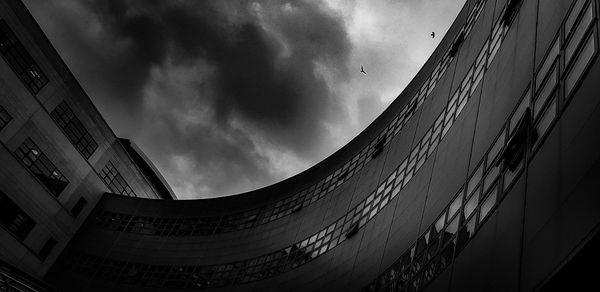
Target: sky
230, 96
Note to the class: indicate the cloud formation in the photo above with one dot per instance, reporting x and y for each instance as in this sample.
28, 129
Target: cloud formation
228, 96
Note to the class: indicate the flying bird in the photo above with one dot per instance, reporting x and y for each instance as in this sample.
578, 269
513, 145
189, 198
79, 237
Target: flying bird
433, 34
362, 70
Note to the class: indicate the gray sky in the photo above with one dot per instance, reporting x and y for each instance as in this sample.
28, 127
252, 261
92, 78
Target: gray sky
230, 96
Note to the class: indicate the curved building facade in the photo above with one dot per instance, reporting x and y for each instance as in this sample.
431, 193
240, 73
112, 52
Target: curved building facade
481, 175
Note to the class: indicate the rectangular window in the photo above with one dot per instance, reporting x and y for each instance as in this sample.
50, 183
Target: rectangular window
474, 180
547, 65
546, 120
74, 129
516, 116
545, 92
572, 17
5, 118
578, 34
20, 60
13, 219
41, 167
78, 207
47, 248
495, 150
488, 204
587, 53
115, 181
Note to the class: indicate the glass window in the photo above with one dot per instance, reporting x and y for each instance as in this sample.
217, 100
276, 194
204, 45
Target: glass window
546, 65
545, 92
439, 224
13, 218
490, 178
509, 176
451, 229
495, 150
579, 66
41, 167
74, 130
474, 180
455, 206
578, 34
572, 17
113, 179
516, 116
471, 205
547, 119
19, 59
488, 204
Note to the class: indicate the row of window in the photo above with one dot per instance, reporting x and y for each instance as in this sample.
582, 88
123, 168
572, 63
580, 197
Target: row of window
20, 60
480, 194
292, 204
29, 154
41, 167
279, 261
45, 171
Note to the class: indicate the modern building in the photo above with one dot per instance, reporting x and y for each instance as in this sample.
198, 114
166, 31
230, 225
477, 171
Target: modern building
482, 175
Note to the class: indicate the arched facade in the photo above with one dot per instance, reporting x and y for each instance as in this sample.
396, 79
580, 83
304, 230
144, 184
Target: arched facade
481, 175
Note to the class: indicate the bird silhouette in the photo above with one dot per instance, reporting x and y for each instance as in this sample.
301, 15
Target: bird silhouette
362, 70
433, 34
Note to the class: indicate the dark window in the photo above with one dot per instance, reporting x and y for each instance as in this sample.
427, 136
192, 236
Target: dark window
78, 206
4, 117
38, 163
47, 248
74, 130
115, 181
20, 60
509, 13
13, 218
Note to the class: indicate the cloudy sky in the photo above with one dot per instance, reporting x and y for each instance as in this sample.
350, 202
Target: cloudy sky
230, 96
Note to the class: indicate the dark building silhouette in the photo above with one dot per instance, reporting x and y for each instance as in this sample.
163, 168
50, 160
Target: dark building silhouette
482, 175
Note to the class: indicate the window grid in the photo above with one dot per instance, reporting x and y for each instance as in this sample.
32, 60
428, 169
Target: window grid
41, 167
74, 130
20, 60
115, 181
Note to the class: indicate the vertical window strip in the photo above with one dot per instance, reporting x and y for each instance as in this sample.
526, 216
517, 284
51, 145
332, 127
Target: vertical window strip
74, 130
41, 167
20, 60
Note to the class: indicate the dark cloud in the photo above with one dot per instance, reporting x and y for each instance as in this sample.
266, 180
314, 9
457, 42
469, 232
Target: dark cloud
261, 80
